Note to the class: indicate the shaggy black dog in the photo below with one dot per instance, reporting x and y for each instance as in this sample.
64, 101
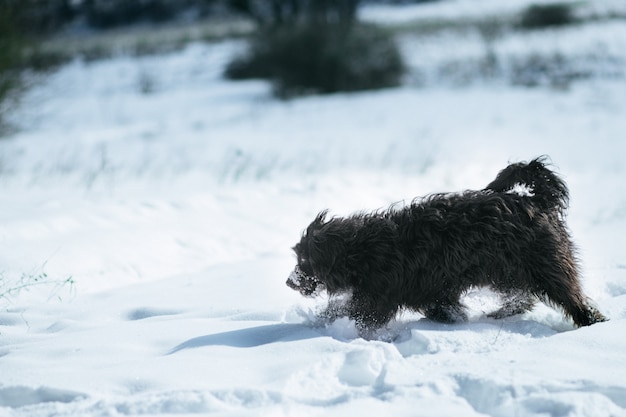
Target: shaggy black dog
425, 256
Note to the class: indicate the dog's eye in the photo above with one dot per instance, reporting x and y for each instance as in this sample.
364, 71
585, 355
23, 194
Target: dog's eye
306, 267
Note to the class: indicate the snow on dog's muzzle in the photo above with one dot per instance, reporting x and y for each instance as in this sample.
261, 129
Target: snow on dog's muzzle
296, 278
303, 283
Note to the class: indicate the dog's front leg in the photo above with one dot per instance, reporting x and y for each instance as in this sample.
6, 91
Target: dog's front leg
337, 307
369, 313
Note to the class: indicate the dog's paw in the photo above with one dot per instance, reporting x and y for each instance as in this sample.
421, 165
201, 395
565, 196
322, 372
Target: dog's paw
446, 313
591, 316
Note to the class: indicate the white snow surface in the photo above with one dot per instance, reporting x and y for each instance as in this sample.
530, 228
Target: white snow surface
172, 198
441, 10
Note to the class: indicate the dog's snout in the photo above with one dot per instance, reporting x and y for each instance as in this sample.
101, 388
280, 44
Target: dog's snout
293, 281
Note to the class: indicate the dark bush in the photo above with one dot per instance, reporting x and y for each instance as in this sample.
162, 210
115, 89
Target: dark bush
303, 59
545, 15
113, 13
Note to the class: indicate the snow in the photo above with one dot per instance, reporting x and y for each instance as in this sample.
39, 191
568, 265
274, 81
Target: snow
172, 198
463, 10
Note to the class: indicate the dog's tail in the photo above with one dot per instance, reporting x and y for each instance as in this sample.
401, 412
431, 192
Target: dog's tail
545, 188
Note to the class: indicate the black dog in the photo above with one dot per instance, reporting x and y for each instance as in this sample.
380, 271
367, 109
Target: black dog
425, 256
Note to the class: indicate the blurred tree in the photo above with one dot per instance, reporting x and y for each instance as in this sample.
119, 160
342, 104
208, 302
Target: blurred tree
10, 39
11, 43
37, 17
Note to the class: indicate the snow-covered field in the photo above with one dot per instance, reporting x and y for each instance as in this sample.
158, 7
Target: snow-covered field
171, 198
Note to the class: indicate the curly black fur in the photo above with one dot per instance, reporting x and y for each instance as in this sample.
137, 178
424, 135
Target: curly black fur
426, 255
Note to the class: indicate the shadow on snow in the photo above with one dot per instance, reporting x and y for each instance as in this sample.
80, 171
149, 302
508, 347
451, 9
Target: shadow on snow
251, 337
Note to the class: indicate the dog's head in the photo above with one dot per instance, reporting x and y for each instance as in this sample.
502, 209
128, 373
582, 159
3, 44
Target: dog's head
307, 284
339, 254
320, 255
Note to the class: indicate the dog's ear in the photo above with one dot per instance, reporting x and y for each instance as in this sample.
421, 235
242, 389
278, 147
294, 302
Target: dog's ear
317, 224
326, 246
375, 258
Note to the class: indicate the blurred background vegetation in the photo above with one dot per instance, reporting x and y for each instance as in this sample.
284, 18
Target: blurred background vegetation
301, 46
318, 47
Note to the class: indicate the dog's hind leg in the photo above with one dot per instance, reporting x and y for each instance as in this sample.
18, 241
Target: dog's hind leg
514, 302
447, 312
575, 305
557, 282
